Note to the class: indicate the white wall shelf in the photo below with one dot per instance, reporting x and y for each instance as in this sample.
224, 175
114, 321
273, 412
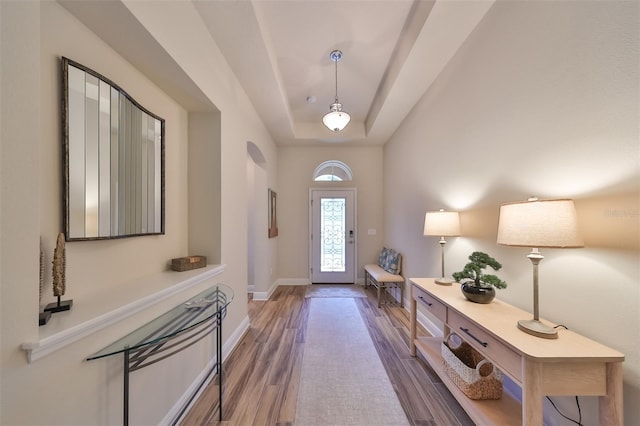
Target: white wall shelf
102, 310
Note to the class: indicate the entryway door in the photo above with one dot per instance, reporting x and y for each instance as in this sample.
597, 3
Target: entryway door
332, 236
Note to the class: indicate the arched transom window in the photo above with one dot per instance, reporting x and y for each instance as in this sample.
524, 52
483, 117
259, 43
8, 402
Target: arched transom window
332, 171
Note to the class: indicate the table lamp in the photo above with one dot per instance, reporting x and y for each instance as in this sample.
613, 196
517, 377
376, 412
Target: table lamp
442, 224
538, 223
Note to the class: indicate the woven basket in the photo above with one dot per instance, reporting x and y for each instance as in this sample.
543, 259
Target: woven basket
188, 263
470, 371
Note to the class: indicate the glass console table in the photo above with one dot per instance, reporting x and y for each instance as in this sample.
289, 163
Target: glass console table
172, 332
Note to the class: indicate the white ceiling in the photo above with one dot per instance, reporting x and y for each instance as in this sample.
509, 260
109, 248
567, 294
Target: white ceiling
279, 51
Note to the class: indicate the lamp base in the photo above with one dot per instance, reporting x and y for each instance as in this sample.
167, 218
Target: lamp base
444, 281
538, 329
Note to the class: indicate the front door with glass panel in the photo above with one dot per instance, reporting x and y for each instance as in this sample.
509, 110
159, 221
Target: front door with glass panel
332, 236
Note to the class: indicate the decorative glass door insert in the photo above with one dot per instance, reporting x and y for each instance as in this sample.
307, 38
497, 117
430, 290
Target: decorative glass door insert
332, 234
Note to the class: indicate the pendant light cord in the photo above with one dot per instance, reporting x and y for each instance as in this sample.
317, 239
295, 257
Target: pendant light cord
335, 56
336, 62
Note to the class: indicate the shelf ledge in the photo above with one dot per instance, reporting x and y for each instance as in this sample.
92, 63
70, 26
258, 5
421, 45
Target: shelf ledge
63, 336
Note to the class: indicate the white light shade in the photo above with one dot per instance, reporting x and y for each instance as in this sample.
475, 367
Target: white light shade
336, 120
539, 223
442, 224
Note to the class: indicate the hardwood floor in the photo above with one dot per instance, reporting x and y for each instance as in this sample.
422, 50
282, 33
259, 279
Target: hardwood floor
262, 375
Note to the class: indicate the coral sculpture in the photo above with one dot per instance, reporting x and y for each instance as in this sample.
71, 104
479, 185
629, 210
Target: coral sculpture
41, 273
59, 265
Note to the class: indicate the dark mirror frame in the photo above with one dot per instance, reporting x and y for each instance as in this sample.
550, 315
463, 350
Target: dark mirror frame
113, 147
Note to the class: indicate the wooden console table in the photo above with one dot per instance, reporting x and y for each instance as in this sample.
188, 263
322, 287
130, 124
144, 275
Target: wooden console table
172, 332
570, 365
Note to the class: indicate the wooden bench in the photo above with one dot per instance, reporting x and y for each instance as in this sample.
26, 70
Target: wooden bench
377, 276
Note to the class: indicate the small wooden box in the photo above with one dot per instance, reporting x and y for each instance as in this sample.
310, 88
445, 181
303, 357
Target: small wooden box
188, 263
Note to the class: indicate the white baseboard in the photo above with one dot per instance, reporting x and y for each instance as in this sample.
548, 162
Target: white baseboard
292, 281
192, 391
265, 295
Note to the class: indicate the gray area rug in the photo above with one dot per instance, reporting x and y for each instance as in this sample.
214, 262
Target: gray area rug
343, 381
334, 290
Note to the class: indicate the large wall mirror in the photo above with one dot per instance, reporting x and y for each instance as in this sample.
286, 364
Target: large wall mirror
113, 159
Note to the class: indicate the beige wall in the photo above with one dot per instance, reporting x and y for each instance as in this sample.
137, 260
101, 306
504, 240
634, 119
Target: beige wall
541, 100
61, 388
295, 178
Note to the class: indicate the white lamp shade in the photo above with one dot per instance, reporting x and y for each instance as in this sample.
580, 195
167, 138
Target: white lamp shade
442, 224
336, 120
539, 223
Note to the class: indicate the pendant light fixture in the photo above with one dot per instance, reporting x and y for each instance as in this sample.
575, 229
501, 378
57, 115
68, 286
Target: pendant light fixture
336, 119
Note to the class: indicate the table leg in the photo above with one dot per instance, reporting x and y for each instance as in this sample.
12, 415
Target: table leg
532, 396
219, 362
412, 323
125, 403
611, 412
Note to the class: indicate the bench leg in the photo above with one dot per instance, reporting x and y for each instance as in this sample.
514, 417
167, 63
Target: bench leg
379, 294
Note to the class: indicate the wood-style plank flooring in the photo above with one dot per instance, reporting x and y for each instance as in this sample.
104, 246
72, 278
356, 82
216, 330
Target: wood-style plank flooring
262, 375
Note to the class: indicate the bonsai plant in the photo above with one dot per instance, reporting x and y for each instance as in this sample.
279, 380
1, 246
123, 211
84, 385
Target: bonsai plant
476, 285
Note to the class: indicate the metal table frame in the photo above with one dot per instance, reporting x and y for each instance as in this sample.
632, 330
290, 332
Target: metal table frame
170, 333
